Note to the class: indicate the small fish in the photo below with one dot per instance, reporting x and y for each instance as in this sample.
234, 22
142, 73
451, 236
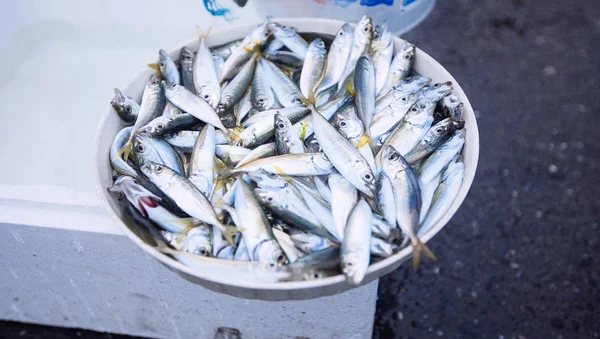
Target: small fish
256, 38
401, 65
165, 125
364, 81
407, 198
186, 62
201, 170
382, 51
386, 118
305, 125
236, 88
435, 93
290, 39
343, 155
198, 241
450, 182
337, 58
204, 73
126, 107
146, 149
262, 95
286, 91
343, 198
186, 196
257, 233
190, 103
168, 68
442, 156
262, 151
433, 139
412, 128
118, 164
267, 180
307, 164
356, 247
409, 85
286, 243
346, 121
361, 39
287, 138
313, 68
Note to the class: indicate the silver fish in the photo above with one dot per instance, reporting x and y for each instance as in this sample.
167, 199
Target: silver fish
147, 149
382, 51
263, 128
313, 68
344, 156
186, 62
386, 117
153, 103
186, 196
262, 151
427, 191
231, 155
356, 249
257, 38
262, 94
407, 197
191, 103
453, 108
317, 264
257, 233
292, 113
343, 198
307, 164
126, 107
401, 64
236, 88
201, 170
165, 125
433, 139
204, 73
267, 180
436, 92
444, 195
198, 241
442, 156
337, 58
291, 208
287, 138
185, 140
409, 85
168, 67
118, 164
286, 243
290, 39
361, 39
412, 128
364, 81
286, 91
305, 125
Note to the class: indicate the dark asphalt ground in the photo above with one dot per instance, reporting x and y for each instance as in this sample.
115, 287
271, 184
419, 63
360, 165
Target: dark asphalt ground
520, 258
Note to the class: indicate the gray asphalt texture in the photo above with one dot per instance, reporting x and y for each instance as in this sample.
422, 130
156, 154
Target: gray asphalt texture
520, 259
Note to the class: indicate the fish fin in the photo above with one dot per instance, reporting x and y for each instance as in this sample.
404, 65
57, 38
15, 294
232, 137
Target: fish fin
202, 35
419, 247
126, 150
350, 88
229, 232
302, 133
364, 139
154, 66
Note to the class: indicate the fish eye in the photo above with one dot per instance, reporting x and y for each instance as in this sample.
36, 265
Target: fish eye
343, 123
160, 127
206, 96
272, 264
340, 33
321, 44
436, 85
368, 176
261, 100
272, 175
366, 29
127, 109
162, 64
407, 56
203, 252
414, 109
269, 199
140, 148
404, 99
280, 125
316, 275
349, 264
173, 85
439, 130
394, 157
159, 169
280, 258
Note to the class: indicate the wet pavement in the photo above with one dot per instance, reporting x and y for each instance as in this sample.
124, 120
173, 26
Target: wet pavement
520, 258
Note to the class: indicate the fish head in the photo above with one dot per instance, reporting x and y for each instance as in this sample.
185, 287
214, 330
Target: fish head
224, 104
443, 127
381, 37
270, 253
406, 53
349, 126
352, 268
157, 126
411, 84
198, 241
368, 184
282, 123
450, 101
270, 197
140, 197
262, 102
281, 30
317, 47
437, 91
119, 99
261, 33
265, 179
343, 37
164, 60
159, 174
211, 95
364, 28
186, 56
392, 161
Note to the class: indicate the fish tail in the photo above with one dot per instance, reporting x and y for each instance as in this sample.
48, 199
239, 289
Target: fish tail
202, 34
419, 247
156, 67
229, 232
126, 150
349, 88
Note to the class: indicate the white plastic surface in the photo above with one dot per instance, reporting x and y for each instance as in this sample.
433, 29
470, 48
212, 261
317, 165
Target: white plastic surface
219, 275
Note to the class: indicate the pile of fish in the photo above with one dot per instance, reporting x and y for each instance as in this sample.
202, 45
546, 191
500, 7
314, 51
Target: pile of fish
303, 154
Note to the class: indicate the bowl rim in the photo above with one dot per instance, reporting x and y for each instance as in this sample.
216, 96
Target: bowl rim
291, 285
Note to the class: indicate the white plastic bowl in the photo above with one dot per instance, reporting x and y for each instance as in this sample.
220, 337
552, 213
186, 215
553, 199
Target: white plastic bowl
238, 278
